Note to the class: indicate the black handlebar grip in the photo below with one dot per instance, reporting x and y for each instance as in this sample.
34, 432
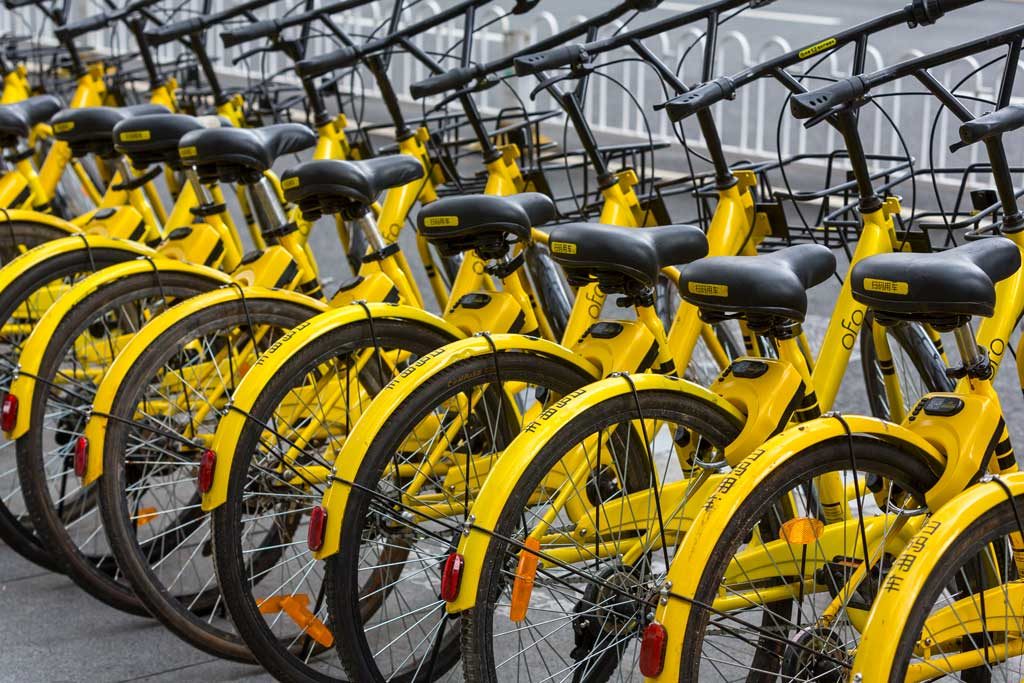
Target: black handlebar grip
318, 66
179, 29
16, 4
524, 6
244, 34
442, 83
817, 102
566, 55
995, 123
927, 12
70, 31
700, 98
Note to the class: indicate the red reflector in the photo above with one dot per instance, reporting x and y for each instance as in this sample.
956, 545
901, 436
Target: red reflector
81, 456
451, 577
652, 650
8, 412
207, 464
317, 528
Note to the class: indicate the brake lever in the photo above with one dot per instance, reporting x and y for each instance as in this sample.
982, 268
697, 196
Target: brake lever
574, 74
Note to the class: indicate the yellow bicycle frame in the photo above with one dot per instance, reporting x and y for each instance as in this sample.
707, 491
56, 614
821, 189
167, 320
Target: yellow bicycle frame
16, 85
736, 228
332, 143
764, 402
954, 446
504, 178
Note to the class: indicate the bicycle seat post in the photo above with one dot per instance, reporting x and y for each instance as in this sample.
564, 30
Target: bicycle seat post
269, 205
976, 364
367, 223
204, 193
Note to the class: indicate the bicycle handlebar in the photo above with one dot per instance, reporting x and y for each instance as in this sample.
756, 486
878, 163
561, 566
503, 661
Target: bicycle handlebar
566, 55
927, 12
818, 102
265, 29
455, 79
186, 27
244, 34
459, 78
701, 97
179, 29
318, 66
990, 125
100, 21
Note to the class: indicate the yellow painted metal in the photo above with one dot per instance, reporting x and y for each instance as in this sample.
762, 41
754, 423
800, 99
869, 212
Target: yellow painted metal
512, 464
106, 392
398, 390
876, 652
33, 348
720, 507
271, 362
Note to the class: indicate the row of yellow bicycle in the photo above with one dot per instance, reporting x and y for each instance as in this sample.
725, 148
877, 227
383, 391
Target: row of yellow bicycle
536, 433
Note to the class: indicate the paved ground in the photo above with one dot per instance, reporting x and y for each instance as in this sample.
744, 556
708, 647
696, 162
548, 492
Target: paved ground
51, 631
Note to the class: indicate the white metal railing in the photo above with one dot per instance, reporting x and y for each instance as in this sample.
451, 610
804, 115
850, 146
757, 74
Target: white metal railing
755, 125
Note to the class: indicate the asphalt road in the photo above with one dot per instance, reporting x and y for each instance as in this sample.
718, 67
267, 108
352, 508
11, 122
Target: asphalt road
51, 631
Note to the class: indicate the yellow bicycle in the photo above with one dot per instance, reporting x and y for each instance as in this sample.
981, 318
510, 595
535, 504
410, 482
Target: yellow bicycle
796, 543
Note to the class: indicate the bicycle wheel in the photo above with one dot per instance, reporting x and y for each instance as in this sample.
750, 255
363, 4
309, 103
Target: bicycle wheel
383, 588
966, 620
165, 411
64, 513
916, 362
583, 618
768, 624
20, 309
279, 472
17, 237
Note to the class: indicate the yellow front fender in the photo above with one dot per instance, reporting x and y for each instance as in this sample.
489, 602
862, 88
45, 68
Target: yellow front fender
350, 458
876, 653
706, 530
512, 465
96, 428
249, 389
30, 216
10, 273
24, 386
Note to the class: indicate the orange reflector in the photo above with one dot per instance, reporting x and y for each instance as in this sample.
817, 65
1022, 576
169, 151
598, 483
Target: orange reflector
81, 456
522, 587
652, 650
145, 516
9, 412
802, 530
297, 608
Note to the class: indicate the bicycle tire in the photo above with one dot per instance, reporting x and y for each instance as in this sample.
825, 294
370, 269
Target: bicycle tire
997, 523
872, 455
912, 342
478, 637
20, 235
97, 576
15, 526
187, 615
556, 376
284, 662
